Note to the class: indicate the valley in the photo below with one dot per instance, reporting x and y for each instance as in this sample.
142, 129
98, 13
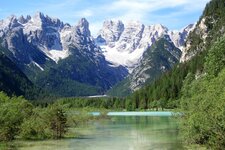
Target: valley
129, 85
52, 53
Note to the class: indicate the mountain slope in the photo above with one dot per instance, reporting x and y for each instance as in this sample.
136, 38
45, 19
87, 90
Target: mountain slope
42, 47
124, 43
79, 75
158, 59
142, 50
20, 48
14, 82
206, 94
209, 28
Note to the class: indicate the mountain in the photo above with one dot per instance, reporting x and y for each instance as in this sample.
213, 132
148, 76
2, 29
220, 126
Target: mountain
179, 38
159, 58
146, 51
58, 56
208, 29
14, 82
19, 40
156, 60
125, 43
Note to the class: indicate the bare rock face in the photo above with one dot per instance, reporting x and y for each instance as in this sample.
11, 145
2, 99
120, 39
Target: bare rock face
125, 43
202, 31
179, 37
111, 31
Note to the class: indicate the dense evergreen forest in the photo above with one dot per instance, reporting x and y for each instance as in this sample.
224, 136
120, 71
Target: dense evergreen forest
14, 82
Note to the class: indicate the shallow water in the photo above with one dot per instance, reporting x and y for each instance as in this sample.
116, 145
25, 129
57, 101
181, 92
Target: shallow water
144, 113
117, 133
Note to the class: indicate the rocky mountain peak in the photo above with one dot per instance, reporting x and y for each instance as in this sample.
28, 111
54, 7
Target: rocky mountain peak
113, 24
125, 43
134, 28
179, 37
39, 15
37, 19
111, 31
159, 27
12, 19
24, 20
9, 23
83, 26
189, 27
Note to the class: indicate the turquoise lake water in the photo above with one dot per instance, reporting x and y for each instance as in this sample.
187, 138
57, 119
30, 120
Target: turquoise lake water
123, 131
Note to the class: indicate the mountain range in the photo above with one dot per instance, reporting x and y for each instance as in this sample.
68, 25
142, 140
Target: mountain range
146, 51
68, 61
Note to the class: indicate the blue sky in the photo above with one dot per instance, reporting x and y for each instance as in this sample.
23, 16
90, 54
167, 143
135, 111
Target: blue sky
174, 14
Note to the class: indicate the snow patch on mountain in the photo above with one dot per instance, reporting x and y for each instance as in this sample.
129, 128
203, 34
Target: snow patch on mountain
124, 58
36, 64
57, 55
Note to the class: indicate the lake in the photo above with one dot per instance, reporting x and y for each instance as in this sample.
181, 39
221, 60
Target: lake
123, 131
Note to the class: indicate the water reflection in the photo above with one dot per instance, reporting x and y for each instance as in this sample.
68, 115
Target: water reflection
118, 133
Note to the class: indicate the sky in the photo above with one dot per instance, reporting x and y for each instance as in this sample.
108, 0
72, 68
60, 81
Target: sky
174, 14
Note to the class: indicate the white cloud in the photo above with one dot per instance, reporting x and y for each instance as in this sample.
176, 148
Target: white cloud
138, 9
144, 5
145, 11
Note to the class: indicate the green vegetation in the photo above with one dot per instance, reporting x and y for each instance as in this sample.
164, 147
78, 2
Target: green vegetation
12, 113
165, 91
203, 102
97, 103
15, 82
49, 122
215, 60
21, 119
79, 75
55, 82
113, 103
18, 117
